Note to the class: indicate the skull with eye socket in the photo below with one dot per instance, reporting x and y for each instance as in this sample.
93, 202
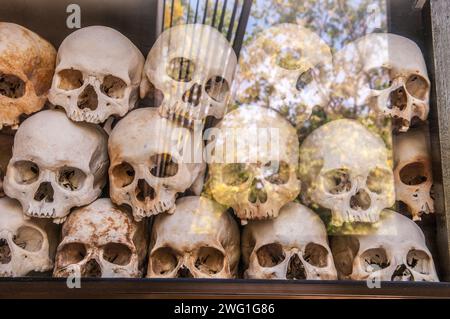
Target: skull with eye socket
292, 246
393, 249
98, 72
101, 240
388, 73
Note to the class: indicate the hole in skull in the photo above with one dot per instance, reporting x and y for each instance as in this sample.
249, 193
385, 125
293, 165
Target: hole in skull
379, 180
289, 59
71, 178
11, 86
123, 175
184, 272
402, 273
144, 191
397, 99
193, 95
91, 269
235, 174
316, 255
29, 239
113, 87
257, 192
71, 253
209, 260
5, 252
26, 172
45, 193
417, 86
70, 80
181, 69
117, 254
163, 260
296, 269
304, 79
379, 78
361, 200
413, 174
88, 99
337, 181
419, 261
375, 259
270, 255
217, 88
276, 172
163, 166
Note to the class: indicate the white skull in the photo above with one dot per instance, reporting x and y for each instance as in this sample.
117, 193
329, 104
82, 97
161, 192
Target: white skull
393, 249
98, 72
388, 73
6, 143
26, 245
193, 66
27, 63
345, 168
255, 163
293, 64
412, 173
292, 246
200, 240
56, 165
101, 240
152, 160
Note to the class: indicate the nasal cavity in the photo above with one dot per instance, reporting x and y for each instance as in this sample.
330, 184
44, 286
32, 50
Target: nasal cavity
193, 95
184, 272
45, 193
5, 252
92, 269
360, 201
144, 190
398, 99
402, 273
88, 99
257, 192
296, 270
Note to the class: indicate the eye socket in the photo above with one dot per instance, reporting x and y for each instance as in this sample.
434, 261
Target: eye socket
71, 178
117, 254
164, 166
419, 261
337, 181
70, 79
289, 59
276, 172
11, 86
304, 79
29, 239
316, 255
123, 175
181, 69
5, 252
113, 87
417, 86
413, 174
270, 255
375, 259
235, 174
379, 78
71, 253
26, 172
209, 260
164, 260
379, 180
217, 88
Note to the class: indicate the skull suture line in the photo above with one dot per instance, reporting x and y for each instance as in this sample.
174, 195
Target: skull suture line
152, 160
393, 249
27, 63
193, 66
101, 240
292, 246
57, 164
98, 72
200, 240
345, 168
386, 72
6, 143
255, 163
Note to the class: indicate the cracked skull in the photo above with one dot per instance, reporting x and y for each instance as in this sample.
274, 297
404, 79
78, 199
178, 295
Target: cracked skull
27, 63
6, 143
254, 164
200, 240
394, 249
98, 72
345, 168
193, 66
101, 240
152, 160
56, 165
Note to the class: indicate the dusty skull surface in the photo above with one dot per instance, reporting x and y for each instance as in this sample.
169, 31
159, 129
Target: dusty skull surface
26, 245
345, 168
293, 64
412, 173
101, 240
152, 160
255, 161
27, 63
57, 164
394, 249
386, 72
98, 72
6, 143
193, 66
292, 246
200, 240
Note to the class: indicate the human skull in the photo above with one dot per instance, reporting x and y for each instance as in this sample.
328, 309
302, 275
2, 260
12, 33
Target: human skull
26, 245
293, 64
412, 173
152, 160
27, 63
6, 143
292, 246
200, 240
101, 240
193, 66
255, 161
388, 73
345, 168
98, 72
394, 249
56, 165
